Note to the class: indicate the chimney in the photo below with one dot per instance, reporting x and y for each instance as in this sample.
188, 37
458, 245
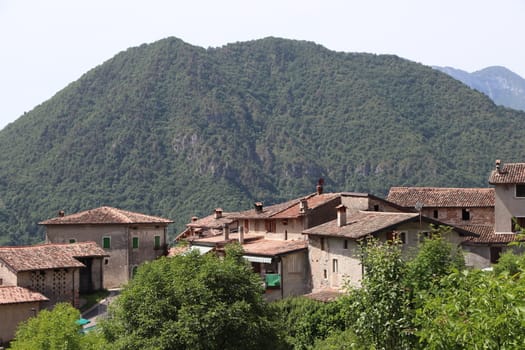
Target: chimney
303, 206
498, 165
218, 213
194, 218
226, 231
319, 188
241, 235
258, 207
61, 214
341, 215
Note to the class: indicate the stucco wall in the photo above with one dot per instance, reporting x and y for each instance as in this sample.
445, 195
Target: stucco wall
12, 315
348, 267
7, 276
507, 206
117, 268
295, 274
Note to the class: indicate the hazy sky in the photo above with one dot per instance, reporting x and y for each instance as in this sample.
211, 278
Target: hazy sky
46, 45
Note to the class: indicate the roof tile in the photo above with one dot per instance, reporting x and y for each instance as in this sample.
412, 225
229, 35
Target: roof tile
106, 215
510, 173
15, 295
442, 196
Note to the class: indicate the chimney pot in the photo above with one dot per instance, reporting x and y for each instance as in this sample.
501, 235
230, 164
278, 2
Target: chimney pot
218, 213
61, 213
498, 165
303, 205
258, 207
194, 218
226, 231
241, 235
341, 215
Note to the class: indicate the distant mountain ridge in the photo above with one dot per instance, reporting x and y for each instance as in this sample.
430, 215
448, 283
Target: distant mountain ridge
503, 86
175, 130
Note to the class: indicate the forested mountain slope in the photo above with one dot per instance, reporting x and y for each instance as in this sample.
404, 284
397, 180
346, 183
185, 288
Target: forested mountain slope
176, 130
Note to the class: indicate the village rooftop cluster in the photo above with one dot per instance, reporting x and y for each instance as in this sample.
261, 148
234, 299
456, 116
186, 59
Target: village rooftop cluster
305, 246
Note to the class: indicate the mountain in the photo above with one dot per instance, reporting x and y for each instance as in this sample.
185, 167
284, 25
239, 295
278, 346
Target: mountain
177, 130
503, 86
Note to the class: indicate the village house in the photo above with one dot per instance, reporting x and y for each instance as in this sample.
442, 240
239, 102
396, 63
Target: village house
54, 270
211, 225
128, 238
272, 236
454, 206
17, 304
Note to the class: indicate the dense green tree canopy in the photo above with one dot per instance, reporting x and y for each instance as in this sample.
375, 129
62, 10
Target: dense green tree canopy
193, 302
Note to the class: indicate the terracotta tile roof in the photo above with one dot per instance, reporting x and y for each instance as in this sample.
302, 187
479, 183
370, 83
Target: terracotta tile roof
510, 173
289, 209
442, 196
324, 295
15, 295
219, 239
211, 222
487, 235
106, 215
48, 256
362, 223
270, 247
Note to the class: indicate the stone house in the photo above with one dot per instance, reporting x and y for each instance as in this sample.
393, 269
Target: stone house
54, 270
334, 247
17, 304
128, 238
453, 206
208, 226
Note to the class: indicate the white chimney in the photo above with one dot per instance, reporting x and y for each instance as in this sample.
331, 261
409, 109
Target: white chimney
226, 231
303, 205
241, 235
218, 213
341, 215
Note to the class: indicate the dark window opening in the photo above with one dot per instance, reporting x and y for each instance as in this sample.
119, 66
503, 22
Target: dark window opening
322, 243
465, 214
325, 274
395, 236
345, 244
435, 214
517, 224
376, 207
520, 190
495, 253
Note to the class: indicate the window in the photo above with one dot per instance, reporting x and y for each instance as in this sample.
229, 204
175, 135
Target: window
335, 267
424, 235
322, 243
135, 242
465, 214
269, 225
325, 274
72, 240
345, 244
520, 190
106, 261
157, 242
517, 224
106, 242
436, 214
376, 207
396, 236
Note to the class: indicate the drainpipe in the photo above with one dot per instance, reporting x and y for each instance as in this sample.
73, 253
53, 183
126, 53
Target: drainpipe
281, 269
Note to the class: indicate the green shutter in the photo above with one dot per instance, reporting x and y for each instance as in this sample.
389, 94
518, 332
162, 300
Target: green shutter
157, 242
135, 242
106, 242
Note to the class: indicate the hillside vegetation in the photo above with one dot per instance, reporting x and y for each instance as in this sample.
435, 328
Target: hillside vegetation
176, 130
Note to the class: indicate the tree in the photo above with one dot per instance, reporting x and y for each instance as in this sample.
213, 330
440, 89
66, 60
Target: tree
193, 302
379, 310
55, 329
473, 310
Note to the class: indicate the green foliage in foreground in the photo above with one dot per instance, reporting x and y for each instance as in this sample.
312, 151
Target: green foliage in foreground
193, 302
55, 330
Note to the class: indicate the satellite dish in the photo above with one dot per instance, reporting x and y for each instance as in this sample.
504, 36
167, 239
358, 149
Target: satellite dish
418, 206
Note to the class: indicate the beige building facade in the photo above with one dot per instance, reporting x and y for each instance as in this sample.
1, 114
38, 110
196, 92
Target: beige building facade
17, 305
128, 238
